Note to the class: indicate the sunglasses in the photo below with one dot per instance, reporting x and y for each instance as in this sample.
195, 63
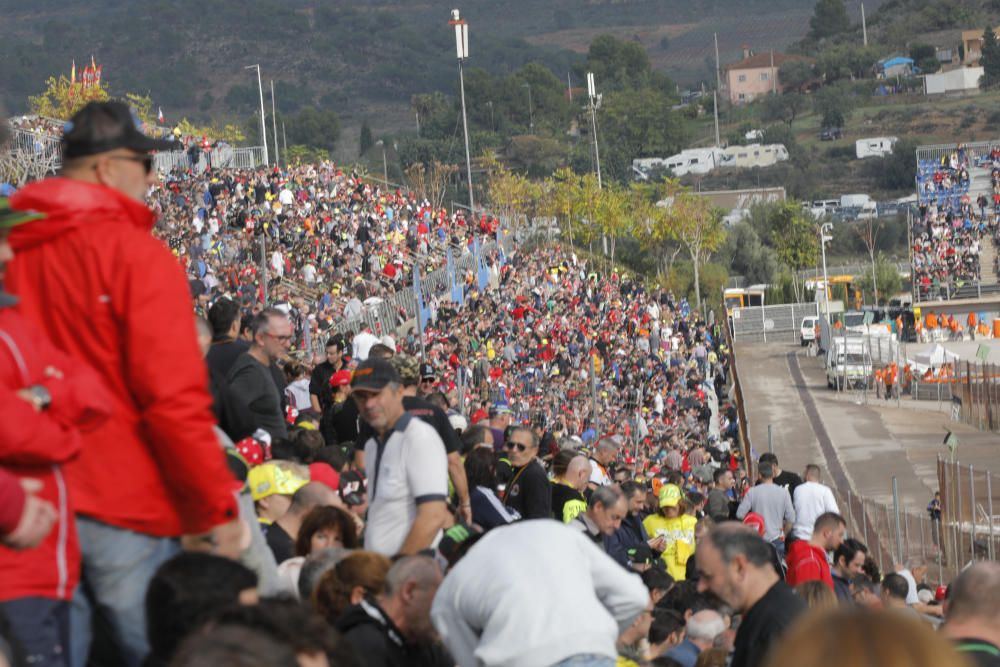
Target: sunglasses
145, 160
516, 445
427, 380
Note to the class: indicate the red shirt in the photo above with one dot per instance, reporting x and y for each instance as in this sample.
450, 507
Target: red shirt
806, 563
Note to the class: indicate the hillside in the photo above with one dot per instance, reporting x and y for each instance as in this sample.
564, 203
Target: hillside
363, 59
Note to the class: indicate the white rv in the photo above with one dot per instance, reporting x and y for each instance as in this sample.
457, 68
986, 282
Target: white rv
874, 147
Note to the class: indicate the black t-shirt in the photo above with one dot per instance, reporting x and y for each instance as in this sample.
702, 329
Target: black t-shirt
529, 492
789, 480
254, 385
221, 356
319, 384
764, 623
426, 412
280, 542
980, 652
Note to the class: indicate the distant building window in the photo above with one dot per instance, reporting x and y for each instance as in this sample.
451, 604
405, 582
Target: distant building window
743, 77
742, 96
763, 76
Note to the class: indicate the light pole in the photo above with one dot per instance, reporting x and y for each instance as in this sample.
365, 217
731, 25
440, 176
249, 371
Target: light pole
595, 103
263, 127
274, 124
823, 239
531, 114
462, 50
385, 168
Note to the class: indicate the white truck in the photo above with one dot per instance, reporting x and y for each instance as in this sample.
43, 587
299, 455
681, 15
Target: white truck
848, 363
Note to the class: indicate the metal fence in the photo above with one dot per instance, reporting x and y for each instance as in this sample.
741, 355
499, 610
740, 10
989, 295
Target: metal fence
777, 323
975, 391
220, 157
969, 529
975, 150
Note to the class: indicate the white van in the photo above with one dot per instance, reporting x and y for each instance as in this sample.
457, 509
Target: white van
807, 330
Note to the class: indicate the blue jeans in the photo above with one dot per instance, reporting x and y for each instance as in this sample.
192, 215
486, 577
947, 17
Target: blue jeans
41, 626
586, 660
117, 566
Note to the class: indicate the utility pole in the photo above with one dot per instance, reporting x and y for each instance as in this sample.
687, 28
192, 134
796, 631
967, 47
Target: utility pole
864, 26
715, 109
531, 113
284, 141
263, 126
462, 49
718, 70
774, 76
569, 87
274, 124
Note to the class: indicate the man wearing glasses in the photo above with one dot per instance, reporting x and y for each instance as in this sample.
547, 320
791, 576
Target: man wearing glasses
107, 293
528, 490
250, 377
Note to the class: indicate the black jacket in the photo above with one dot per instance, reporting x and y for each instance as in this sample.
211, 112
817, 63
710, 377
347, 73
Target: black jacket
529, 492
379, 643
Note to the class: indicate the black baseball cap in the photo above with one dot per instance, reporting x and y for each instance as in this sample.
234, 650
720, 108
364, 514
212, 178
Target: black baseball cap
374, 375
100, 127
427, 371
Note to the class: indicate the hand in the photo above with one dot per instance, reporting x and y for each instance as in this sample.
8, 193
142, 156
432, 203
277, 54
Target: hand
658, 544
37, 519
465, 511
227, 540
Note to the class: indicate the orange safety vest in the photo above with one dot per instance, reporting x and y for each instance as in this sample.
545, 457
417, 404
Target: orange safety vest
972, 319
932, 321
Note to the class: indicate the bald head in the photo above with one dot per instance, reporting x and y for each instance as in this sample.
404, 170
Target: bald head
704, 626
313, 494
578, 472
972, 597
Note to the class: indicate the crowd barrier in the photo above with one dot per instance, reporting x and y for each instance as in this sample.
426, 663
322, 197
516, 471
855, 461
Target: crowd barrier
759, 324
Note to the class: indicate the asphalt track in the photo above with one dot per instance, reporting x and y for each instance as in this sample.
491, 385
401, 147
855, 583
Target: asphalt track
860, 443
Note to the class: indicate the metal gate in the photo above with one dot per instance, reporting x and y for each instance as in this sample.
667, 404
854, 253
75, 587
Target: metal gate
779, 323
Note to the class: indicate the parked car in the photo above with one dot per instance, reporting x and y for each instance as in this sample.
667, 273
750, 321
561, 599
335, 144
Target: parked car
831, 133
807, 330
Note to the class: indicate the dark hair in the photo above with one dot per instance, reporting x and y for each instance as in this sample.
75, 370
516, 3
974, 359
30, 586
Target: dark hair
733, 540
847, 550
481, 468
332, 455
380, 351
665, 623
896, 586
366, 569
233, 646
323, 517
290, 449
828, 520
680, 598
261, 322
765, 469
286, 621
439, 399
246, 324
694, 498
719, 474
308, 441
656, 579
768, 457
336, 341
293, 369
221, 316
632, 488
560, 462
184, 593
521, 428
472, 436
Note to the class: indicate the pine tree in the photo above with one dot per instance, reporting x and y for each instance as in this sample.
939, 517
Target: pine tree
367, 140
990, 60
829, 18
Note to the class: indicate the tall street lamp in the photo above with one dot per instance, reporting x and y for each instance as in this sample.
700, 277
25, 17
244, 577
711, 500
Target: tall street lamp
385, 168
263, 127
462, 50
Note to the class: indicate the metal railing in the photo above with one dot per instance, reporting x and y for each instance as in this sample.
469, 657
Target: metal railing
779, 323
969, 529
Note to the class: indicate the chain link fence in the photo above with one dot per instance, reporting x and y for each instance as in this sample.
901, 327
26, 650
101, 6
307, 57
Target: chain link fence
761, 324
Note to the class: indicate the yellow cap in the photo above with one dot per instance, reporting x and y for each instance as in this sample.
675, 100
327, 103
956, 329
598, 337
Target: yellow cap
670, 495
281, 478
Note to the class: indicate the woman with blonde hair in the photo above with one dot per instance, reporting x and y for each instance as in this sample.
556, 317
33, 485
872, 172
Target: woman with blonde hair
817, 595
359, 575
863, 638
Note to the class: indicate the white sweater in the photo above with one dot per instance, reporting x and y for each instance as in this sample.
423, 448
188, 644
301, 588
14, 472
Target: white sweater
534, 593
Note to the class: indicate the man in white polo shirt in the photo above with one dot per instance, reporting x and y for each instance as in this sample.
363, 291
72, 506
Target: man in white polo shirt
811, 500
406, 464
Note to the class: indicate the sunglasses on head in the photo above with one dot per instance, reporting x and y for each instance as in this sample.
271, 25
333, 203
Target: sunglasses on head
516, 445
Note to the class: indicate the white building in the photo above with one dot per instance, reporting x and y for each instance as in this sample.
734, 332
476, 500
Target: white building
961, 79
874, 147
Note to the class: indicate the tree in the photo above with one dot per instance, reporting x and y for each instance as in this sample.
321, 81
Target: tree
314, 127
748, 256
829, 18
783, 108
691, 220
430, 181
792, 233
511, 195
367, 141
561, 198
832, 105
795, 75
885, 275
990, 60
62, 98
868, 230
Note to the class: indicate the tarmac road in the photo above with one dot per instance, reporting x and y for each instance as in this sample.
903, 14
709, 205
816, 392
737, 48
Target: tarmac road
859, 446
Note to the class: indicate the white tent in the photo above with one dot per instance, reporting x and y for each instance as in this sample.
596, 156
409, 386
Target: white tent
932, 358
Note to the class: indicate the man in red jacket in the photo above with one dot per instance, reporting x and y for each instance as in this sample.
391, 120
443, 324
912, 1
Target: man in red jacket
109, 294
45, 396
806, 559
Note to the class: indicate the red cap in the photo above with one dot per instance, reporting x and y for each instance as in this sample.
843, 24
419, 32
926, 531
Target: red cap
324, 473
941, 593
755, 520
340, 379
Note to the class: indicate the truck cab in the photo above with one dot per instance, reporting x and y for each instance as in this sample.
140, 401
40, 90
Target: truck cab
848, 364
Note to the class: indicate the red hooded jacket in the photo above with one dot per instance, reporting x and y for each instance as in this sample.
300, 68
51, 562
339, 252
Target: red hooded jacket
34, 444
109, 294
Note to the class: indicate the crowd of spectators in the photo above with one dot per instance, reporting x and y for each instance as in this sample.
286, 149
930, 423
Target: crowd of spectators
548, 473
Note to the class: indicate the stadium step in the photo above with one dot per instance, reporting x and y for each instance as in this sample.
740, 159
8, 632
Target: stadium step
987, 261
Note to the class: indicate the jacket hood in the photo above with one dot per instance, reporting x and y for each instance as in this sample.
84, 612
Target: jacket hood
68, 204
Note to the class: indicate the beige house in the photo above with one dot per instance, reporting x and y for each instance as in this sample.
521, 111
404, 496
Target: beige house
755, 75
972, 41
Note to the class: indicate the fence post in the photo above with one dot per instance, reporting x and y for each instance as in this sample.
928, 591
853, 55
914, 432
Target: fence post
864, 521
895, 511
972, 511
770, 444
989, 510
850, 509
957, 523
906, 533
